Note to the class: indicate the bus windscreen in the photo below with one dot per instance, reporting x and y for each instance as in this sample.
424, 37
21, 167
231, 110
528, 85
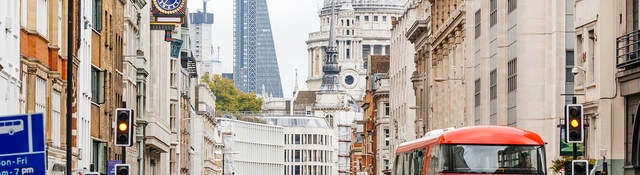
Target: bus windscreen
489, 159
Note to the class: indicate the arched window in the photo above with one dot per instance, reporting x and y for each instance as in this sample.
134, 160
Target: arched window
329, 119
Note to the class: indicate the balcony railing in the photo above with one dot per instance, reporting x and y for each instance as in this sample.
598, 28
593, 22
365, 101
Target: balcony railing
627, 47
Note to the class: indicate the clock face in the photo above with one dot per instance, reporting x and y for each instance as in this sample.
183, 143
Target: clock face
169, 5
348, 80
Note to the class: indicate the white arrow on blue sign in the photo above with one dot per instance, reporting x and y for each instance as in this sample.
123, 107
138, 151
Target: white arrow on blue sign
22, 150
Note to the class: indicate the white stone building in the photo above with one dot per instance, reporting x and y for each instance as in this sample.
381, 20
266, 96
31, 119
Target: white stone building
308, 146
515, 69
10, 58
402, 98
83, 91
205, 139
251, 148
362, 29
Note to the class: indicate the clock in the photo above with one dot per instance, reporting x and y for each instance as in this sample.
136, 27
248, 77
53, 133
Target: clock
169, 6
348, 80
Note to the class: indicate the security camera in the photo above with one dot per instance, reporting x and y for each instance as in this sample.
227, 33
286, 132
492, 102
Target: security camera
575, 71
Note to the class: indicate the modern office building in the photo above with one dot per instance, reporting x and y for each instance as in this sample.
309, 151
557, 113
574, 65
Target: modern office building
308, 148
254, 55
201, 25
251, 148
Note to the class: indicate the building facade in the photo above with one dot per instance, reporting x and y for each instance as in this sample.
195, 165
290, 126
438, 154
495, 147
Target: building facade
406, 112
617, 99
10, 59
362, 29
83, 92
205, 140
512, 85
201, 23
251, 148
308, 148
43, 59
254, 55
376, 107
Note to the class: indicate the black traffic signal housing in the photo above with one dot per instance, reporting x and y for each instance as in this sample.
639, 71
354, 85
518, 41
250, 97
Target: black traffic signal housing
124, 127
574, 115
579, 167
122, 169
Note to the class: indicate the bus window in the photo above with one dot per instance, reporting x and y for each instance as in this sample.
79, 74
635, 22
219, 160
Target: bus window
1, 124
493, 159
411, 163
398, 167
419, 161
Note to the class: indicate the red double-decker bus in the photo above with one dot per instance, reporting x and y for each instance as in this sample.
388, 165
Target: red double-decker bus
472, 150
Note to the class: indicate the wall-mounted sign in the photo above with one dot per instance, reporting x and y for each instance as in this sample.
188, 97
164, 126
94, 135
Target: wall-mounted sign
176, 45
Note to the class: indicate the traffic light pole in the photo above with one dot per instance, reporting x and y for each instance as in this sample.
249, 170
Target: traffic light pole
575, 151
575, 145
69, 83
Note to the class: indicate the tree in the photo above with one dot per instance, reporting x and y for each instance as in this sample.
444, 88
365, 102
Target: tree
230, 99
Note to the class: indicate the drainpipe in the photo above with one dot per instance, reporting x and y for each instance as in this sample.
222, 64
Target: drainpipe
141, 122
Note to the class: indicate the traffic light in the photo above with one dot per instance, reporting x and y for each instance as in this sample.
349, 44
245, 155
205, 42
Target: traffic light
123, 127
122, 169
579, 167
574, 121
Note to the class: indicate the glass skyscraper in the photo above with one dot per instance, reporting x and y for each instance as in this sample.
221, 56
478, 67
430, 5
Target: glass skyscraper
255, 61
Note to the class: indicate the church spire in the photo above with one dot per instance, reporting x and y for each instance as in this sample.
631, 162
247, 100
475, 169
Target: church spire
331, 68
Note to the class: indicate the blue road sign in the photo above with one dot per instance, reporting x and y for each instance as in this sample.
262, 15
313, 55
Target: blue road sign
22, 145
111, 166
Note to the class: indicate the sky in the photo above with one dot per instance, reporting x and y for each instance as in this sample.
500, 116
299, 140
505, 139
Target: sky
291, 22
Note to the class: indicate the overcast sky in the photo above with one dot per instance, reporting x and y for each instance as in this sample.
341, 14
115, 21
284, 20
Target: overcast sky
291, 22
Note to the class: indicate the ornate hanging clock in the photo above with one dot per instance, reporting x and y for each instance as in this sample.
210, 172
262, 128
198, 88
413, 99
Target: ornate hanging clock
168, 7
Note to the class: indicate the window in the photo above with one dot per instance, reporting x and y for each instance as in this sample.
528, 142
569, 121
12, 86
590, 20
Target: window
591, 58
42, 17
55, 119
174, 71
387, 108
375, 18
97, 15
348, 50
386, 137
41, 96
357, 18
366, 18
493, 85
384, 18
477, 92
493, 15
477, 23
348, 22
97, 86
512, 75
386, 164
632, 153
512, 5
296, 139
98, 157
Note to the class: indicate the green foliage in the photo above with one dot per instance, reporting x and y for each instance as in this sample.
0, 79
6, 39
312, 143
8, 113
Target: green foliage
228, 98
